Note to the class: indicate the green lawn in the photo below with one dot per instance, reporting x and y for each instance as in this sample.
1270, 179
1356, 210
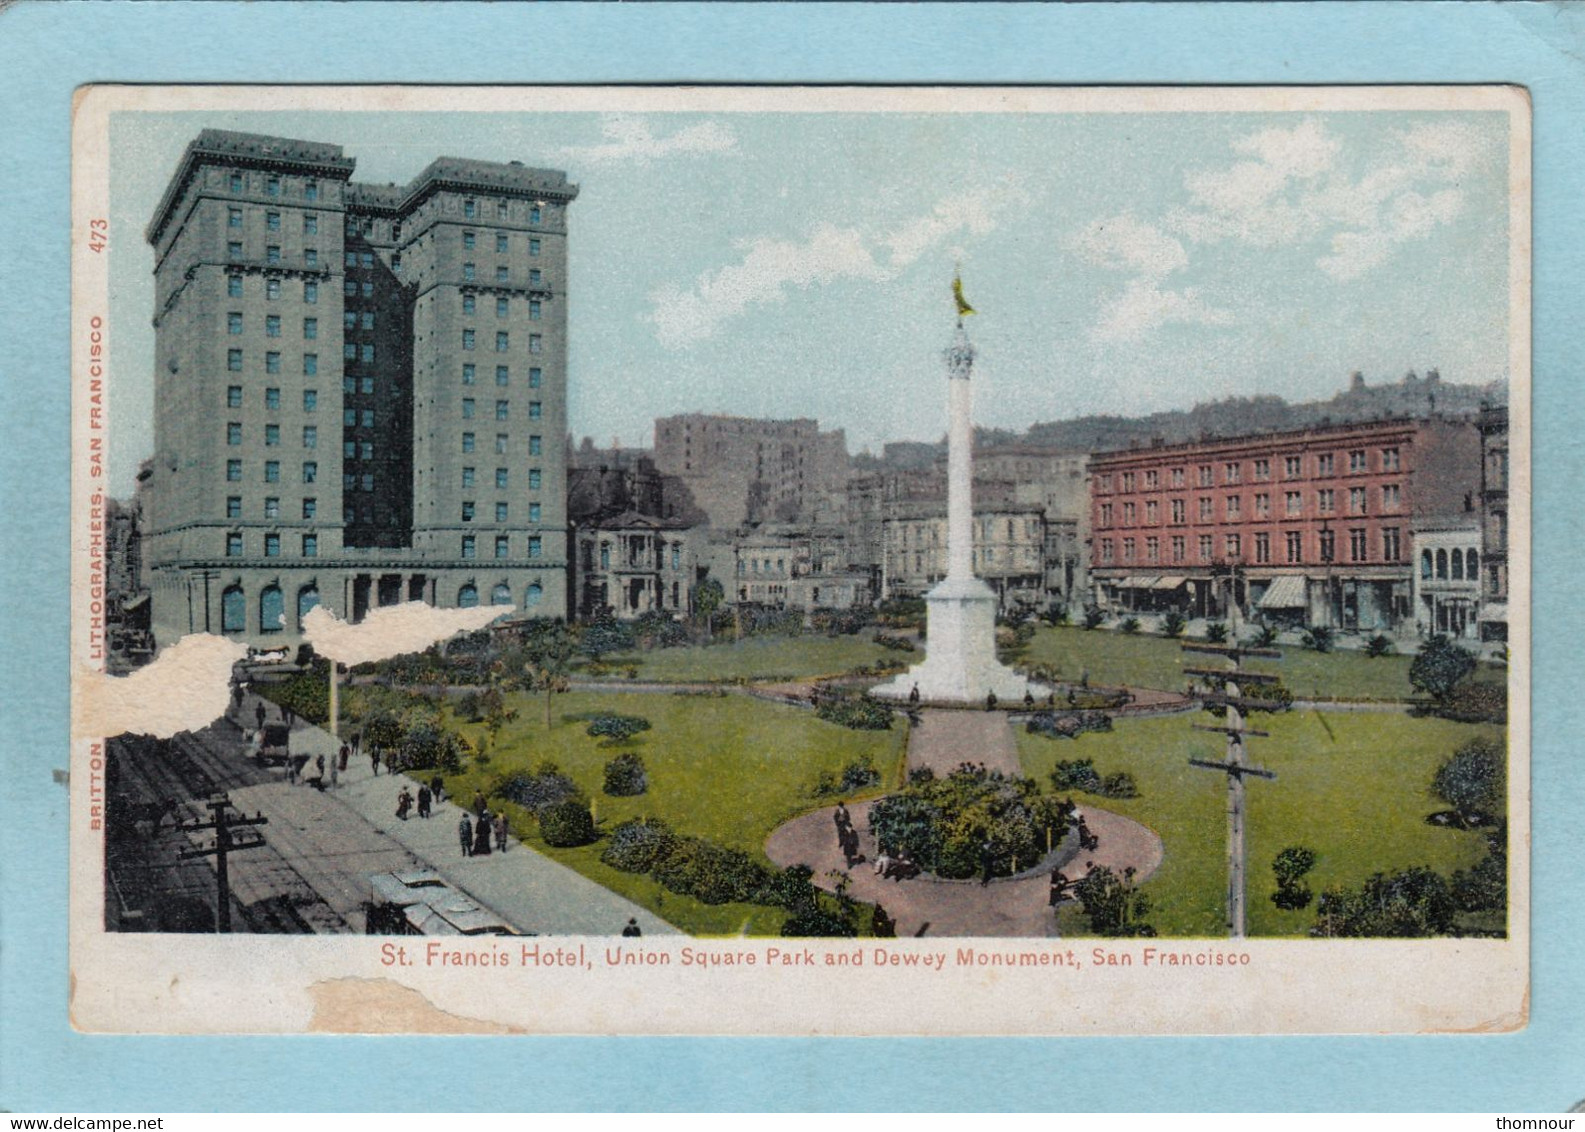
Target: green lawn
1156, 662
757, 658
727, 768
1352, 787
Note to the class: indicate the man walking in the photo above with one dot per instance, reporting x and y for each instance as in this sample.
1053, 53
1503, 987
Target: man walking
424, 797
465, 834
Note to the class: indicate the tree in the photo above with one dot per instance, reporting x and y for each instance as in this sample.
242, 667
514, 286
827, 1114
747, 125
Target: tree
708, 597
1409, 904
1473, 781
605, 634
1291, 865
549, 651
1439, 666
1113, 905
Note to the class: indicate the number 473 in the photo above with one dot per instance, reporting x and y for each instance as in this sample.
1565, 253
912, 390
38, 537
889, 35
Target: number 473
98, 234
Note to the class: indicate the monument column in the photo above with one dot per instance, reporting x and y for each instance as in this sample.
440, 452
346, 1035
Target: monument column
960, 457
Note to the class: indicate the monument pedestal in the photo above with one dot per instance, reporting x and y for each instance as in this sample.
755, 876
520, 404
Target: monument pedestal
960, 664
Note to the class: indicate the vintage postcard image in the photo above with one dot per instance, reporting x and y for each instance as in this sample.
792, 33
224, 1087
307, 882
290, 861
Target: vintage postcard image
800, 561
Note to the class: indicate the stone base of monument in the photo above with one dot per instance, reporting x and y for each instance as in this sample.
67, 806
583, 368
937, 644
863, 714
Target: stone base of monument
960, 665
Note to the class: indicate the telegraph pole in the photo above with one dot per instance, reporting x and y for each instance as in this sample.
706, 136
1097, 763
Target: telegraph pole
1235, 767
223, 822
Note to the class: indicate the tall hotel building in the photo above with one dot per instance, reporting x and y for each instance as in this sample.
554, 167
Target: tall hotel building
360, 390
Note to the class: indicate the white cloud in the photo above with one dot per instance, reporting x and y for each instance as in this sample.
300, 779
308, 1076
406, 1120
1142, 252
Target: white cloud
629, 138
770, 266
1126, 243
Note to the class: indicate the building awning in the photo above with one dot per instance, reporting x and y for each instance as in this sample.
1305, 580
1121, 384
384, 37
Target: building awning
1170, 582
134, 602
1287, 592
1138, 582
1494, 611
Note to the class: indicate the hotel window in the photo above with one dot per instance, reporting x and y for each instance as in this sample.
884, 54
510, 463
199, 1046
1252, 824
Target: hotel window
233, 470
366, 418
349, 288
310, 224
1129, 514
233, 218
349, 418
1177, 477
236, 182
501, 242
1152, 480
1293, 502
349, 449
467, 510
536, 344
468, 544
1325, 501
367, 290
503, 306
467, 477
310, 365
1324, 465
272, 326
234, 286
365, 449
233, 544
534, 445
350, 258
503, 375
310, 507
310, 328
366, 259
1356, 501
366, 483
535, 546
536, 277
396, 231
234, 434
1128, 481
1389, 459
534, 214
310, 436
310, 471
1391, 497
311, 292
1233, 546
467, 304
272, 186
310, 400
1106, 550
234, 322
467, 273
310, 257
310, 190
533, 479
1233, 506
467, 442
272, 221
536, 377
467, 339
501, 275
272, 507
233, 506
272, 436
468, 240
1179, 551
1295, 546
533, 310
396, 263
1356, 461
234, 249
1128, 550
503, 546
1207, 509
1207, 475
502, 341
470, 208
500, 478
500, 512
1357, 549
310, 546
272, 362
502, 410
467, 373
500, 211
272, 254
366, 320
1262, 546
1152, 508
272, 471
533, 512
366, 385
366, 353
1152, 550
533, 246
1230, 473
1391, 547
467, 408
1328, 545
1262, 469
1205, 548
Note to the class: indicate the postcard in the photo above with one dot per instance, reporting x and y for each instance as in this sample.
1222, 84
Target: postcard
800, 561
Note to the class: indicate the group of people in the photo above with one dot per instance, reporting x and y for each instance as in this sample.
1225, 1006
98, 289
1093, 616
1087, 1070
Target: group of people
476, 836
847, 836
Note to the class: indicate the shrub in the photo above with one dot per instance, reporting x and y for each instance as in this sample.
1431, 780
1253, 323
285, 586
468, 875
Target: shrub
1475, 701
710, 873
1318, 638
605, 634
1410, 903
567, 824
841, 622
791, 888
1379, 645
816, 922
1093, 616
1290, 866
1265, 636
1076, 774
898, 644
1115, 909
1484, 888
1216, 632
1174, 623
1473, 781
1439, 666
1120, 785
1130, 625
625, 776
859, 774
616, 729
639, 846
426, 745
1069, 725
539, 789
861, 713
944, 824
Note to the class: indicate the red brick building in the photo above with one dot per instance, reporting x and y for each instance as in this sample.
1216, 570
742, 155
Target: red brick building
1312, 526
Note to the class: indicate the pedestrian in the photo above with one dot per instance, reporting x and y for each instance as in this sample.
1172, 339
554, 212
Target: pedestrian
882, 925
987, 863
1073, 698
632, 930
424, 797
465, 834
404, 802
1059, 887
990, 701
1051, 699
346, 753
500, 833
258, 713
913, 693
287, 715
374, 761
1029, 700
481, 835
479, 805
850, 846
291, 763
236, 694
437, 787
335, 774
319, 764
883, 862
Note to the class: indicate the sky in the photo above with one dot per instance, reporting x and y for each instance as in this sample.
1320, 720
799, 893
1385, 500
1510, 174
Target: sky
800, 264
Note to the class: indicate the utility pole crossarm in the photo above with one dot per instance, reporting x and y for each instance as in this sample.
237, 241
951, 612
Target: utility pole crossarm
1232, 768
223, 822
1239, 731
1231, 650
1240, 677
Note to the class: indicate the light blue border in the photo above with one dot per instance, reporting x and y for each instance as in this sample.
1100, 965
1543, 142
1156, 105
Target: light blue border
48, 49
